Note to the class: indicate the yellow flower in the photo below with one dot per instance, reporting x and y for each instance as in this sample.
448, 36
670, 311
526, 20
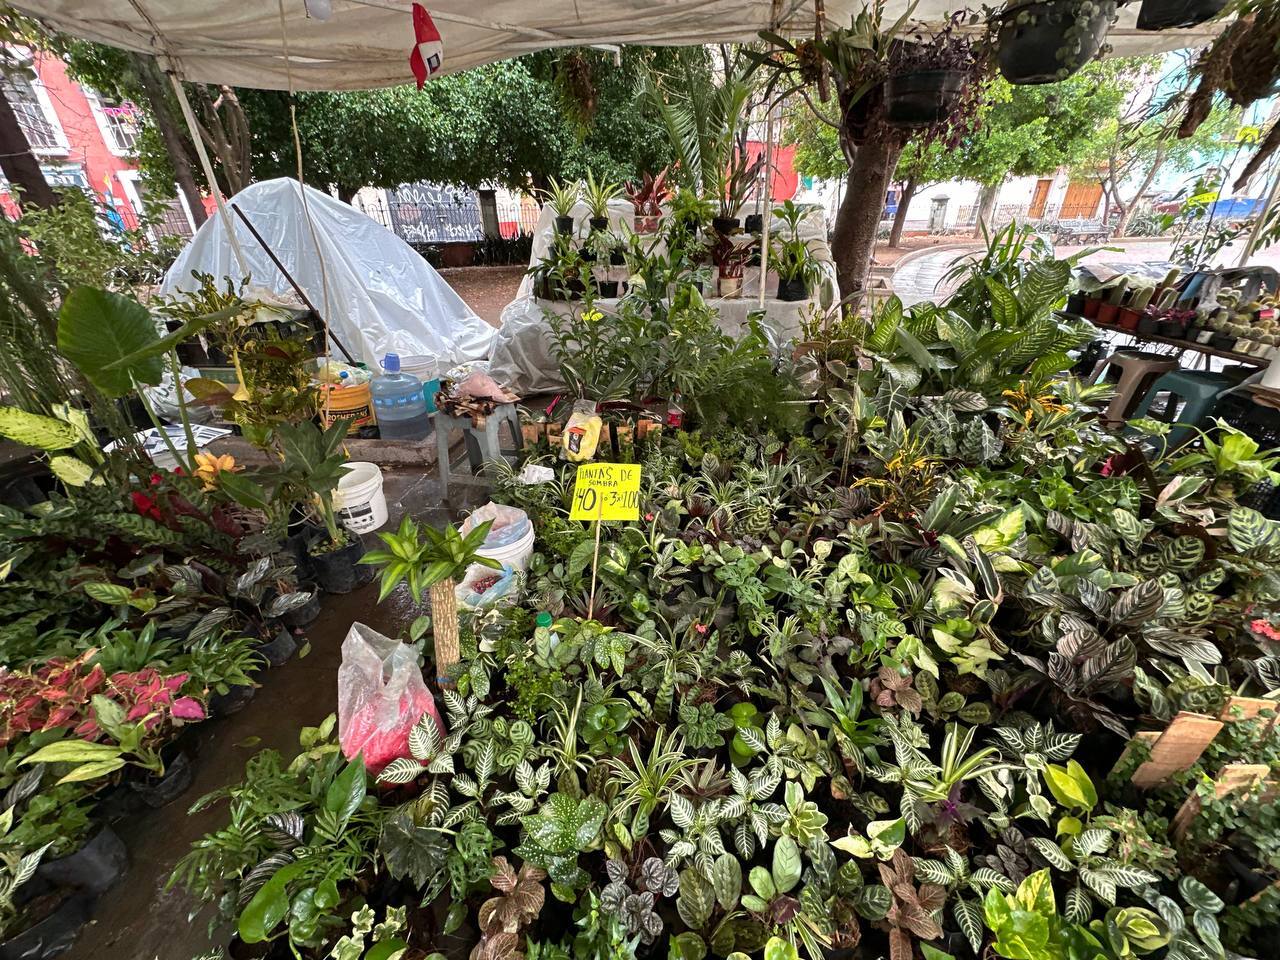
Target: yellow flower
209, 465
593, 316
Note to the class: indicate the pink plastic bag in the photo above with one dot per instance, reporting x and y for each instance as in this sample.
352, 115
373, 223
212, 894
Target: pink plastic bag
381, 696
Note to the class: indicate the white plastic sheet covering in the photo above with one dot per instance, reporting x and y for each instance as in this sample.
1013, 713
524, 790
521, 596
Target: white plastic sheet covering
522, 359
366, 43
382, 296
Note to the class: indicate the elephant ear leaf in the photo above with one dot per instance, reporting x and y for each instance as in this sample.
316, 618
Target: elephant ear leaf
111, 339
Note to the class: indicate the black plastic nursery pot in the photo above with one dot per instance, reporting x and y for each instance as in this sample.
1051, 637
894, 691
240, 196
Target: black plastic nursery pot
1147, 325
754, 223
54, 934
792, 289
1075, 303
725, 225
1168, 14
159, 791
233, 701
564, 224
616, 259
598, 223
279, 648
1029, 51
1222, 341
607, 288
307, 613
340, 571
923, 98
95, 867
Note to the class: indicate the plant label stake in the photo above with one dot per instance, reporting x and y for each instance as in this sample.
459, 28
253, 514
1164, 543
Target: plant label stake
604, 491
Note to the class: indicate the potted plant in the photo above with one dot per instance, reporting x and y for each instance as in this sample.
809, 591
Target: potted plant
790, 256
690, 212
927, 77
736, 182
647, 198
562, 197
1045, 41
435, 560
730, 255
558, 275
597, 194
1169, 14
1109, 308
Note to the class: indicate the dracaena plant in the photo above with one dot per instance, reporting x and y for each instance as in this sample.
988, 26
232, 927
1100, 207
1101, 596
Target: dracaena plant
434, 560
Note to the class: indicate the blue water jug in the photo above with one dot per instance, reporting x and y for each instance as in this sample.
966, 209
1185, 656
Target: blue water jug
398, 402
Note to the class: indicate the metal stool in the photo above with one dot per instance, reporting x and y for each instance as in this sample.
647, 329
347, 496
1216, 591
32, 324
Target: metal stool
483, 441
1198, 392
1137, 371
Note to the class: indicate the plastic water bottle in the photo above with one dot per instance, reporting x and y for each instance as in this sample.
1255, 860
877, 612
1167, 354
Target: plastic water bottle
544, 639
398, 403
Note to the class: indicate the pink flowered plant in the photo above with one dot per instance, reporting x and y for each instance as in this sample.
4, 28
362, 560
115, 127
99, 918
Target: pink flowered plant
1264, 630
60, 694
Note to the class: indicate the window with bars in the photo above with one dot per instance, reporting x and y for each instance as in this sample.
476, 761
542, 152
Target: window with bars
122, 127
40, 133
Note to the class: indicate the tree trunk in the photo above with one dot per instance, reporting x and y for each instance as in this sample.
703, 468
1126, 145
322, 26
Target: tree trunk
18, 162
444, 629
854, 237
347, 193
175, 146
900, 217
986, 206
1127, 209
228, 137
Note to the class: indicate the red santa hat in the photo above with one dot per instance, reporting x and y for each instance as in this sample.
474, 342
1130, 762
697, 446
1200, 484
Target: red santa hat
428, 49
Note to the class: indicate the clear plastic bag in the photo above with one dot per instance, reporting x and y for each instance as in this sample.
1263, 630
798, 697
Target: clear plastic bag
503, 590
510, 524
381, 695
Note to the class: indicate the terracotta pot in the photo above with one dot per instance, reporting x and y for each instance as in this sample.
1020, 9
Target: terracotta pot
647, 224
1108, 312
1091, 305
1128, 318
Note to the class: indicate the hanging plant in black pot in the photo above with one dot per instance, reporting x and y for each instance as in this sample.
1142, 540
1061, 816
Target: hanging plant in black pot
928, 76
1168, 14
1046, 41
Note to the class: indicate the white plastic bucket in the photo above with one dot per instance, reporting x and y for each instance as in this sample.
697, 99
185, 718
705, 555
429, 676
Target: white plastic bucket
500, 545
426, 369
359, 500
515, 554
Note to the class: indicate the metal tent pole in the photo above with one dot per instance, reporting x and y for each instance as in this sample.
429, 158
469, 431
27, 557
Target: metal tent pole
1261, 218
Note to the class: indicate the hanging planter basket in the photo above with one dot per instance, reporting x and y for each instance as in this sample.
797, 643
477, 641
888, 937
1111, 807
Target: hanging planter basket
1048, 40
1169, 14
923, 98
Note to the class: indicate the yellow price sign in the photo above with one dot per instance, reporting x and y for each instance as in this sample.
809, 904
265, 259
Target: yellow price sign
606, 491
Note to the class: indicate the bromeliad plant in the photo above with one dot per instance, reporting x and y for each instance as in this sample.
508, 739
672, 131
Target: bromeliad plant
433, 560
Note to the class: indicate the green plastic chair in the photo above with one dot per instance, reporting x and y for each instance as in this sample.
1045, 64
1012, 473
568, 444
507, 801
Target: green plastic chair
1196, 390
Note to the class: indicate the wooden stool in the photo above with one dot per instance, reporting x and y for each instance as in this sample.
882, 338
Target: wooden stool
484, 443
1137, 371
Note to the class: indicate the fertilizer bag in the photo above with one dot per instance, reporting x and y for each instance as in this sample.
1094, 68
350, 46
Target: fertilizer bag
381, 695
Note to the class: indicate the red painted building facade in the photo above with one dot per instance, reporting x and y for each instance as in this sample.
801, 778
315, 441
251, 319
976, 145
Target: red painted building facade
82, 139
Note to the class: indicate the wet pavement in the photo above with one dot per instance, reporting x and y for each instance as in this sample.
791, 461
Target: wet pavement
138, 919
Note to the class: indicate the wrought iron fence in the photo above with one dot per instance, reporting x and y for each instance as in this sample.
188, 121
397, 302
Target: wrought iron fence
422, 214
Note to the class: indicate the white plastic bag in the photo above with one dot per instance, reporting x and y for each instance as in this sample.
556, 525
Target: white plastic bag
510, 524
381, 695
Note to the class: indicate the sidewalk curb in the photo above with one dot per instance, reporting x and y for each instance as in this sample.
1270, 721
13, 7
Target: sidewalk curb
924, 251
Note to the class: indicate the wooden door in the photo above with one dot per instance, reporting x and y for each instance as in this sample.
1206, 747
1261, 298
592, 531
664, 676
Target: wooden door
1081, 201
1039, 199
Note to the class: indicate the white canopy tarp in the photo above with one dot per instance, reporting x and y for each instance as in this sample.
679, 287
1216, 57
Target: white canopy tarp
366, 43
383, 297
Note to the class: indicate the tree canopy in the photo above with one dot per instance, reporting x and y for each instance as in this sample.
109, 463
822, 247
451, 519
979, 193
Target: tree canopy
1023, 130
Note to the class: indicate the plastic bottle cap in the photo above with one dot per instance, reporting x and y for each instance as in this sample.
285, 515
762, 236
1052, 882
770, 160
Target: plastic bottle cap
391, 363
543, 619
